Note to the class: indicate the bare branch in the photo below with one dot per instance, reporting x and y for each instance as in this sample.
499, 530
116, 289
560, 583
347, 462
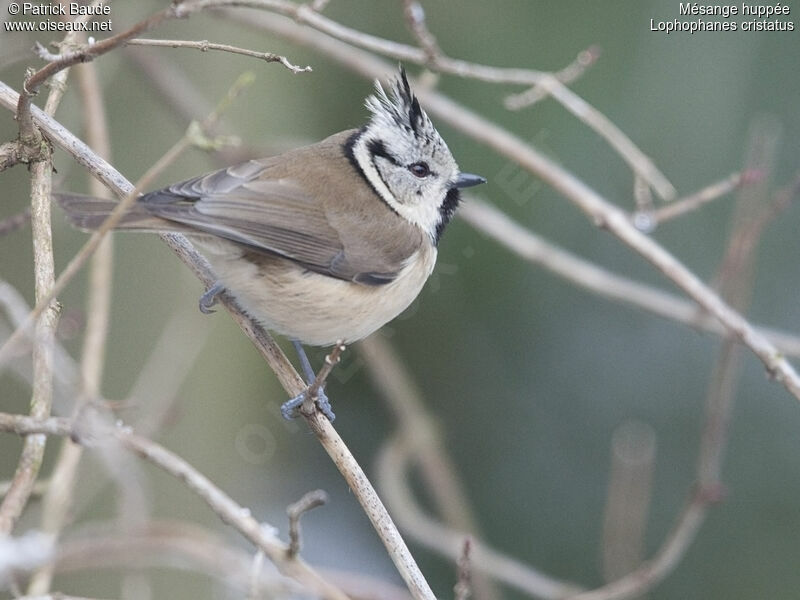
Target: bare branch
573, 71
415, 21
58, 500
309, 501
593, 278
393, 463
418, 428
650, 220
331, 360
260, 534
205, 46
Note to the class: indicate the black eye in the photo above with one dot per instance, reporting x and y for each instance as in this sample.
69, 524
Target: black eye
419, 169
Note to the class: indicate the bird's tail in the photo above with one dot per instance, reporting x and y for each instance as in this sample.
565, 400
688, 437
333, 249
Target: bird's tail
88, 213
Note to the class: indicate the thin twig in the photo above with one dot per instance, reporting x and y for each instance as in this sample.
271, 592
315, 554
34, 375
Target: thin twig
573, 71
205, 46
415, 21
331, 360
692, 202
309, 501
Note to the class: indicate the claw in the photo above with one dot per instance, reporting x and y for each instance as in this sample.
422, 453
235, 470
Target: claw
210, 298
291, 408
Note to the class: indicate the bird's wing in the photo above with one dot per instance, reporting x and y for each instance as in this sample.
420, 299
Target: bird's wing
276, 216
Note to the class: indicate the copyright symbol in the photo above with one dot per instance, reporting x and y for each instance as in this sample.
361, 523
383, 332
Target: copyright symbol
13, 8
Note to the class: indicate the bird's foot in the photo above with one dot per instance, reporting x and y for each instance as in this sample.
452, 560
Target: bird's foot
291, 408
210, 298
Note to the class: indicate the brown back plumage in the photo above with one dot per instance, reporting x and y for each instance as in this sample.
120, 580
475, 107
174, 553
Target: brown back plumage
310, 205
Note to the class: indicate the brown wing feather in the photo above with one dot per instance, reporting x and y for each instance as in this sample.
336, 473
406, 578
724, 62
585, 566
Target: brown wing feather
258, 205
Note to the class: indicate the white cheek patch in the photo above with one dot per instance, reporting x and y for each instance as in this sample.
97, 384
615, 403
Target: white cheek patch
420, 212
364, 160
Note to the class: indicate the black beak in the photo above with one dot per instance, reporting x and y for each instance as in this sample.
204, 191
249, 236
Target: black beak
466, 180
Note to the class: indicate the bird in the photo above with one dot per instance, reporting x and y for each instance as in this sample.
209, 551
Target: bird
322, 244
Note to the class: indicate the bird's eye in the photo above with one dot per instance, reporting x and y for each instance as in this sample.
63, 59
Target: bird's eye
419, 169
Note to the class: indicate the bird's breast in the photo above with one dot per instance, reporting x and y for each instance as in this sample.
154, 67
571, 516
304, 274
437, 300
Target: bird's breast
313, 308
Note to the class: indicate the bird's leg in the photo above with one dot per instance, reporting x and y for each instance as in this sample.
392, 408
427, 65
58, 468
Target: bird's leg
290, 408
210, 298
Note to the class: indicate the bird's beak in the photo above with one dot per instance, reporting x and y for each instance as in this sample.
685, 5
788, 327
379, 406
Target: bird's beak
466, 180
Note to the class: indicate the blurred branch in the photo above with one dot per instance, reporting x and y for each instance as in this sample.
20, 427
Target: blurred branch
186, 546
260, 534
417, 427
205, 46
462, 590
633, 454
573, 71
415, 22
394, 461
58, 500
735, 282
489, 220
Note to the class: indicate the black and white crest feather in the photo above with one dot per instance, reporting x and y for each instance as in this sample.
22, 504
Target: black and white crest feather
401, 109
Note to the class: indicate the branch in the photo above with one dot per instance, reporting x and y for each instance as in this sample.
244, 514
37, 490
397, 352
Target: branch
205, 46
573, 71
260, 534
490, 221
28, 133
393, 463
736, 277
649, 221
58, 500
308, 502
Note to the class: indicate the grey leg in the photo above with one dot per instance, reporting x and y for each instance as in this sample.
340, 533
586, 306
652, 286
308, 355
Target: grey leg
290, 408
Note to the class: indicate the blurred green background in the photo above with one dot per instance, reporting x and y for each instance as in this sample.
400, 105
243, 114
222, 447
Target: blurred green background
527, 376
